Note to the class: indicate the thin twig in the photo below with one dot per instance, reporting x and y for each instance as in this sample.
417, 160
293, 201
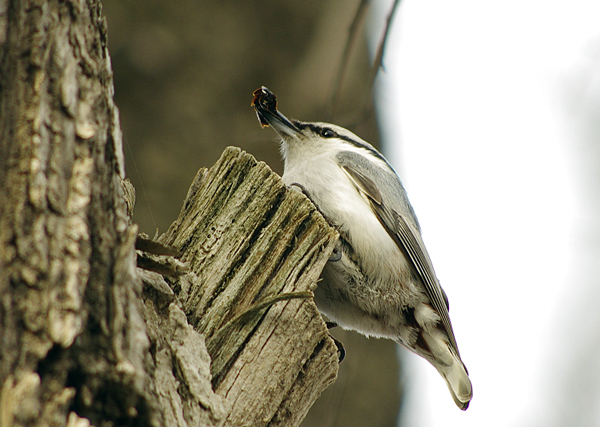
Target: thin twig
256, 308
378, 61
364, 112
350, 41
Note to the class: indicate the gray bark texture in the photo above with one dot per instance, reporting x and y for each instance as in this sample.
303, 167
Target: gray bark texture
87, 338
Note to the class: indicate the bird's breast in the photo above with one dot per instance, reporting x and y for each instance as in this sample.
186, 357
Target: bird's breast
346, 208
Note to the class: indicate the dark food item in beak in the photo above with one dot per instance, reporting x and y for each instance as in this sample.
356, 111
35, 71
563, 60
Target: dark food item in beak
264, 100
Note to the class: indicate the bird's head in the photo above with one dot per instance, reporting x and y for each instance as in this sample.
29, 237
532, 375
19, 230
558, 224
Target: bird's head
312, 138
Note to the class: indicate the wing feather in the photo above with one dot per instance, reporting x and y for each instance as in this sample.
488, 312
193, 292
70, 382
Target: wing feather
407, 237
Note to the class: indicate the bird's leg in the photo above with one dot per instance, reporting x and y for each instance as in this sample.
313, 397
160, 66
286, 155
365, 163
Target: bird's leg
338, 344
341, 349
336, 255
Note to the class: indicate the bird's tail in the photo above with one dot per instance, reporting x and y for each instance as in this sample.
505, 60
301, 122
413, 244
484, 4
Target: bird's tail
458, 381
449, 364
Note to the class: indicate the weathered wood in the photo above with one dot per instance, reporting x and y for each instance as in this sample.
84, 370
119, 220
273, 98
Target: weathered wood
247, 238
181, 368
84, 340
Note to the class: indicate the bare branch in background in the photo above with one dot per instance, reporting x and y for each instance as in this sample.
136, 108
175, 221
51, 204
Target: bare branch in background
365, 107
350, 41
378, 62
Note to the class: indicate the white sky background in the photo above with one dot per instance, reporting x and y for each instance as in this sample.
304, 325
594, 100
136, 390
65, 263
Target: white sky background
488, 112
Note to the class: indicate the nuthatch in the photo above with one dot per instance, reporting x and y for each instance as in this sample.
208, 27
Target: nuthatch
381, 281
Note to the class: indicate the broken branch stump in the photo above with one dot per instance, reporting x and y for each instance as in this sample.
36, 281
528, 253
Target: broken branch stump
255, 250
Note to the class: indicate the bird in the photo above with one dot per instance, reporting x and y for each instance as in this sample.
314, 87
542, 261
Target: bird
380, 280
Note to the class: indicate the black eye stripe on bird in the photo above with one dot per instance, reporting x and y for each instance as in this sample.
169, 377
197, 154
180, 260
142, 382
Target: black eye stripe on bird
382, 282
318, 130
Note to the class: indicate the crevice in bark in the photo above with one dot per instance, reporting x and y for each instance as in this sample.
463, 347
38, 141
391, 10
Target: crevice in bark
87, 336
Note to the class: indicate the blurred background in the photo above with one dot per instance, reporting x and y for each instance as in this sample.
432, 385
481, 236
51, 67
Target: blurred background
490, 114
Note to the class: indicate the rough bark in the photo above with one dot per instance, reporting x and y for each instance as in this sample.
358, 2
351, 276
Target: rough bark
84, 340
71, 326
255, 248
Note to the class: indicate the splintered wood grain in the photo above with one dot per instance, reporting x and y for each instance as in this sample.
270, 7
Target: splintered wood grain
248, 239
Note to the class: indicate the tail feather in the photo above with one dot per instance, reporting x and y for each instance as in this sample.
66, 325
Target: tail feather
424, 334
449, 365
458, 382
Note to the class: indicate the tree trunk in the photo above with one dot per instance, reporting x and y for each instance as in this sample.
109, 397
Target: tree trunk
84, 340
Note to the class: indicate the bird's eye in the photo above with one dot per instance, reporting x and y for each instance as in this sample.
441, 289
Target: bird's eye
328, 133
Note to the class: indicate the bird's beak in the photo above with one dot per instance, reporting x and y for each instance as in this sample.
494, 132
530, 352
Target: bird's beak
265, 104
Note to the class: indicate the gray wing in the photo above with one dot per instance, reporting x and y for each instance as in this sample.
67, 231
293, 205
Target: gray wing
392, 208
